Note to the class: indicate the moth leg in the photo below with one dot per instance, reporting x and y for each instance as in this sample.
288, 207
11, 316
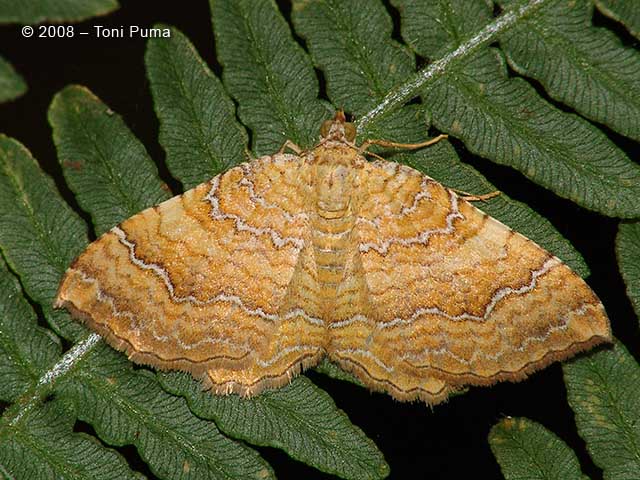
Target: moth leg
291, 146
408, 146
469, 197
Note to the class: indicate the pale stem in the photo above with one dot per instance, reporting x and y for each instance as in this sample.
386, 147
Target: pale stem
434, 70
35, 395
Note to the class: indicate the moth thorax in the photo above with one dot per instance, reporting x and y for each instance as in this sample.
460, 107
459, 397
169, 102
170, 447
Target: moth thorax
334, 188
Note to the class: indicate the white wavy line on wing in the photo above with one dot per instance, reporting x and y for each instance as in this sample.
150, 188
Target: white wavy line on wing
365, 353
222, 297
422, 237
563, 325
499, 295
246, 168
241, 226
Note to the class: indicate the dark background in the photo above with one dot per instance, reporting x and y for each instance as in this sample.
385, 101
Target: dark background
448, 441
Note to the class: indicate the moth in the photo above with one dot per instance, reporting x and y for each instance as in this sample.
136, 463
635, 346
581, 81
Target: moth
259, 273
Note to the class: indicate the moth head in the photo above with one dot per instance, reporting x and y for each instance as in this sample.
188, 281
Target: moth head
338, 129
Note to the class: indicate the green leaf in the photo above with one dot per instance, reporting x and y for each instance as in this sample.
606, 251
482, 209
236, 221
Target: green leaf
37, 11
39, 234
435, 28
473, 43
584, 67
268, 73
359, 66
104, 163
368, 70
505, 120
299, 418
351, 43
43, 445
604, 392
526, 450
12, 85
26, 350
198, 128
129, 407
628, 253
623, 11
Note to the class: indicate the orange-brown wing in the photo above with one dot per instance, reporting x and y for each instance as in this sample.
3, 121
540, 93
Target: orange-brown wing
455, 296
203, 281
